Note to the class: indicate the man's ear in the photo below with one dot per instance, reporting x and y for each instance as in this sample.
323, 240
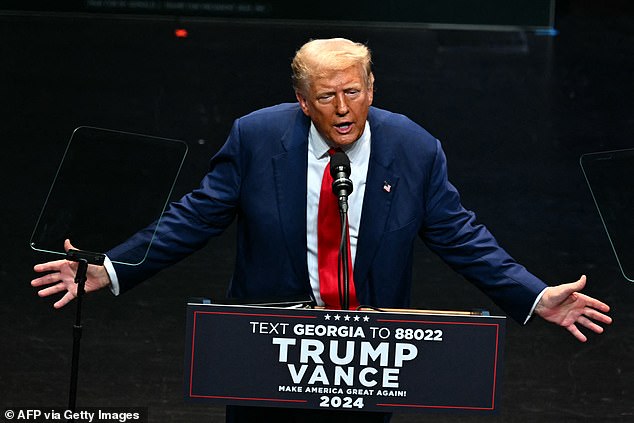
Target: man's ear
302, 102
371, 88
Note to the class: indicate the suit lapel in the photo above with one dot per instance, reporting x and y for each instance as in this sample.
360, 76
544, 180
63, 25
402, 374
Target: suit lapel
290, 168
381, 184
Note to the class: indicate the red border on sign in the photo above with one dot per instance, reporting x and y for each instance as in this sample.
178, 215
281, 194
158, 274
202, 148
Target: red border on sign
395, 405
191, 367
495, 365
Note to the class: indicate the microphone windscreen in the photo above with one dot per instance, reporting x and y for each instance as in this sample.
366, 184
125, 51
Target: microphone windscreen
338, 162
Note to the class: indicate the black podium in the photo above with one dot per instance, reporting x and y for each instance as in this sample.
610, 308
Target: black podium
366, 360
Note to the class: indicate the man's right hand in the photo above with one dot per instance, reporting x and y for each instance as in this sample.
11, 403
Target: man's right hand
61, 278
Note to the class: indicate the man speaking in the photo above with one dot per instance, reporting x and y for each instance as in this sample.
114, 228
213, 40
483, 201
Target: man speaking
269, 176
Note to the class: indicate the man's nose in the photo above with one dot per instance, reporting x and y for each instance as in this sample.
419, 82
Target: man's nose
341, 104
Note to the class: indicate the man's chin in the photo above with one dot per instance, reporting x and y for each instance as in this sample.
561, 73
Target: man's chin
342, 141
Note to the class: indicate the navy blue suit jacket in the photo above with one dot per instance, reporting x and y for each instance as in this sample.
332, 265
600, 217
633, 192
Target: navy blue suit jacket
259, 177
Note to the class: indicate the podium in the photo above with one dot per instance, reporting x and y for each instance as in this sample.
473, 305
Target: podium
365, 360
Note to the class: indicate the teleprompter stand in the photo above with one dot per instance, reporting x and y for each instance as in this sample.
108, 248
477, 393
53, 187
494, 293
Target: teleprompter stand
83, 259
136, 173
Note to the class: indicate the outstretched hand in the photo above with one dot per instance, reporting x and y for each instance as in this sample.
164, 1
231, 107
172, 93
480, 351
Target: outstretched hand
61, 278
565, 306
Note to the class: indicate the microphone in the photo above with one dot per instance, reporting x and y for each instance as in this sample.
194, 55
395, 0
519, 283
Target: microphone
341, 184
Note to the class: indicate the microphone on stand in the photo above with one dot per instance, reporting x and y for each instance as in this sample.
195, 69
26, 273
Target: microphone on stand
341, 184
342, 187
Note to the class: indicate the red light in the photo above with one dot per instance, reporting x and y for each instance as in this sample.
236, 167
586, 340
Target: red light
181, 33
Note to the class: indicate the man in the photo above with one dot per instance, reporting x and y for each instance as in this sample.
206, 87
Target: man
268, 175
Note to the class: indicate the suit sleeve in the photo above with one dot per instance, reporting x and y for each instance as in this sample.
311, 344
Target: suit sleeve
469, 248
186, 225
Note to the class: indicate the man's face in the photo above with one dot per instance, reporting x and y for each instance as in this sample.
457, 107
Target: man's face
338, 105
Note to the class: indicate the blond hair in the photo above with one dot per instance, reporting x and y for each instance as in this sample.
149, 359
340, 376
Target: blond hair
318, 57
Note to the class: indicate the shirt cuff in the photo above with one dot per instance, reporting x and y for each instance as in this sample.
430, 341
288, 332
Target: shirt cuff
539, 297
114, 281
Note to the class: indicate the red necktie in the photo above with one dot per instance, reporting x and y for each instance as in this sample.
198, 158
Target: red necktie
329, 239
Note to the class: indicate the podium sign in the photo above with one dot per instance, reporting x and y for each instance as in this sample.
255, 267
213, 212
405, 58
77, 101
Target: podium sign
333, 359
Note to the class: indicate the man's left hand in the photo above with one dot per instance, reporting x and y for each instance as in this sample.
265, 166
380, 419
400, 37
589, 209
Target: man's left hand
565, 306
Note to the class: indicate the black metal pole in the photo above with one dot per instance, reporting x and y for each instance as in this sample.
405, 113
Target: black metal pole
80, 280
83, 259
345, 242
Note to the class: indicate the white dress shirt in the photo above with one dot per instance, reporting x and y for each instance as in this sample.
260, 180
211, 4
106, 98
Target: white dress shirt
318, 158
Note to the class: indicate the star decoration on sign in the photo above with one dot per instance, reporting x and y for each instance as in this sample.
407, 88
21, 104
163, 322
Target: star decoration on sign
346, 317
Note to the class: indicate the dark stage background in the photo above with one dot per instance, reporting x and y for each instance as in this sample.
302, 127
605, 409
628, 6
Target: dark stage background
514, 110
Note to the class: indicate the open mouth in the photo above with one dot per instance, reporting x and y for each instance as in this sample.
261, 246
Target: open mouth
343, 127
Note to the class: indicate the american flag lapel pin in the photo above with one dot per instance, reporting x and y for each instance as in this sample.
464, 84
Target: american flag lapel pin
386, 186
